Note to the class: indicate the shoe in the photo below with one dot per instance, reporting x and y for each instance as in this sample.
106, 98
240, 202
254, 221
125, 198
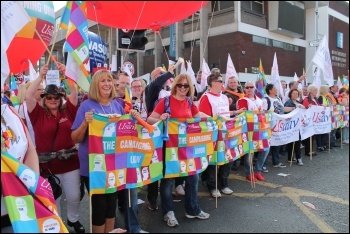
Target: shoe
143, 231
346, 142
259, 176
215, 193
251, 178
313, 154
321, 149
78, 228
302, 146
201, 215
180, 190
227, 191
293, 160
170, 219
279, 165
152, 207
264, 169
300, 162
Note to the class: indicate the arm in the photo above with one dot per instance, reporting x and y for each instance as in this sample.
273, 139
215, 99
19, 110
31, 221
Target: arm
201, 115
204, 106
296, 84
30, 100
73, 96
79, 133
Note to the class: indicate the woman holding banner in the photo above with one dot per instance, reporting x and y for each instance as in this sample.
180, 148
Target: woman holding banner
181, 107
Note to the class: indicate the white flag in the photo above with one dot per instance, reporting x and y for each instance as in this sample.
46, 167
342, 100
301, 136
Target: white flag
74, 72
32, 73
275, 77
322, 59
339, 83
317, 81
13, 19
230, 70
183, 69
191, 74
205, 74
296, 78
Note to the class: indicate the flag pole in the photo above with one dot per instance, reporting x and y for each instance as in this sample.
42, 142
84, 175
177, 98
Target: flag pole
53, 45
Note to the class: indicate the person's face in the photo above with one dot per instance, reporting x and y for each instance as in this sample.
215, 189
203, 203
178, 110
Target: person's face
305, 93
199, 77
335, 88
273, 91
123, 81
121, 176
295, 95
249, 89
232, 83
158, 72
145, 173
182, 87
116, 85
284, 85
136, 88
216, 85
313, 92
105, 86
52, 101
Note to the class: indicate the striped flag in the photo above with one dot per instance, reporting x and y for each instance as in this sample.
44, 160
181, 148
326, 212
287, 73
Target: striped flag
128, 102
65, 16
78, 45
261, 82
28, 198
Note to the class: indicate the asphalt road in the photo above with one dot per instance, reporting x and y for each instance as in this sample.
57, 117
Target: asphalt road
274, 205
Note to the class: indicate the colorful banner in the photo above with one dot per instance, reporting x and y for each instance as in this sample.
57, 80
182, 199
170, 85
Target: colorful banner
28, 198
259, 130
285, 128
190, 146
123, 154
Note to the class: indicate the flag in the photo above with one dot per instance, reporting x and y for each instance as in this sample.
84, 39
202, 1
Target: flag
127, 99
191, 74
13, 85
230, 70
346, 82
74, 73
13, 19
275, 77
77, 43
65, 16
183, 69
339, 83
322, 59
205, 74
32, 73
261, 82
28, 198
296, 78
317, 81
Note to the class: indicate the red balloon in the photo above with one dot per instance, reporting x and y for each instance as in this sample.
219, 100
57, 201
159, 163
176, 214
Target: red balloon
27, 44
141, 14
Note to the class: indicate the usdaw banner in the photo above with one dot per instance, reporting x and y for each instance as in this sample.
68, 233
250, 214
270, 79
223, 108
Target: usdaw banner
123, 154
190, 146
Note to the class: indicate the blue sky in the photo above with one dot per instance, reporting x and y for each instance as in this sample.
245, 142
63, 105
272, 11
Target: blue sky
58, 4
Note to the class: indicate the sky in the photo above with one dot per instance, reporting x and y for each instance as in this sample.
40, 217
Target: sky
58, 4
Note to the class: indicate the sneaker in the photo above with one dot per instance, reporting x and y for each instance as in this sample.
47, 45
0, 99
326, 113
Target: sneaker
264, 169
321, 149
143, 231
227, 191
152, 207
180, 190
259, 176
201, 215
302, 146
215, 193
170, 219
251, 178
279, 165
300, 162
345, 142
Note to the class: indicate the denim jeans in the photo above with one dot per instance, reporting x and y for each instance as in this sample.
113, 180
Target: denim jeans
224, 172
275, 154
130, 213
345, 133
333, 136
191, 195
258, 164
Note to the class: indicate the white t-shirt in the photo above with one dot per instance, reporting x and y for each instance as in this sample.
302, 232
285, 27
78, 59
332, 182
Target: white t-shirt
276, 105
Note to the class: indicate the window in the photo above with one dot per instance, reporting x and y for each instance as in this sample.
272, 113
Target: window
221, 5
166, 48
274, 43
149, 52
259, 40
188, 44
255, 6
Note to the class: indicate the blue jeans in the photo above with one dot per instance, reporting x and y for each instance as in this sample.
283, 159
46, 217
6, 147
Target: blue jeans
191, 195
333, 136
258, 164
130, 213
345, 133
275, 154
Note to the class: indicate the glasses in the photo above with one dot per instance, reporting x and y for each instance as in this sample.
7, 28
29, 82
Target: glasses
136, 87
52, 97
186, 86
219, 81
249, 87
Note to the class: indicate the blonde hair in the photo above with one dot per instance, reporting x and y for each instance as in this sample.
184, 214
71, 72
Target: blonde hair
311, 88
94, 91
324, 90
22, 89
178, 80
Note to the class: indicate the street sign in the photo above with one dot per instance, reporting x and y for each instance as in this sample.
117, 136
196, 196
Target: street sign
314, 43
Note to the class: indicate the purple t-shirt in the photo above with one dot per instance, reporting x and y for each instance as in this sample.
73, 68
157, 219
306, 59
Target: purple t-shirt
86, 106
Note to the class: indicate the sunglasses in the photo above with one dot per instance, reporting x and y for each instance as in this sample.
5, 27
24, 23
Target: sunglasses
249, 87
136, 87
186, 86
52, 97
219, 81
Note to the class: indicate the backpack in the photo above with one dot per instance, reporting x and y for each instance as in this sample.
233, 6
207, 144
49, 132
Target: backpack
167, 103
268, 103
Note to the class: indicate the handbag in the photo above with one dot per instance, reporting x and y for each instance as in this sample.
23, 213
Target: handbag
55, 185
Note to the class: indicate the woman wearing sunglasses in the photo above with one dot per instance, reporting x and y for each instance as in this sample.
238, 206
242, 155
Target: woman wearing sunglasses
252, 102
180, 107
52, 121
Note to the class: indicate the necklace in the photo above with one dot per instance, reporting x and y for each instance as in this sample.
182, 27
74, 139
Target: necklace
110, 106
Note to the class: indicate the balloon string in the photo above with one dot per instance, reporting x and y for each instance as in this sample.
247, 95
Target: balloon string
137, 23
161, 39
194, 34
211, 20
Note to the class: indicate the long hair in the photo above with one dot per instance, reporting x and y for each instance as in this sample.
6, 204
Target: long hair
94, 92
178, 80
